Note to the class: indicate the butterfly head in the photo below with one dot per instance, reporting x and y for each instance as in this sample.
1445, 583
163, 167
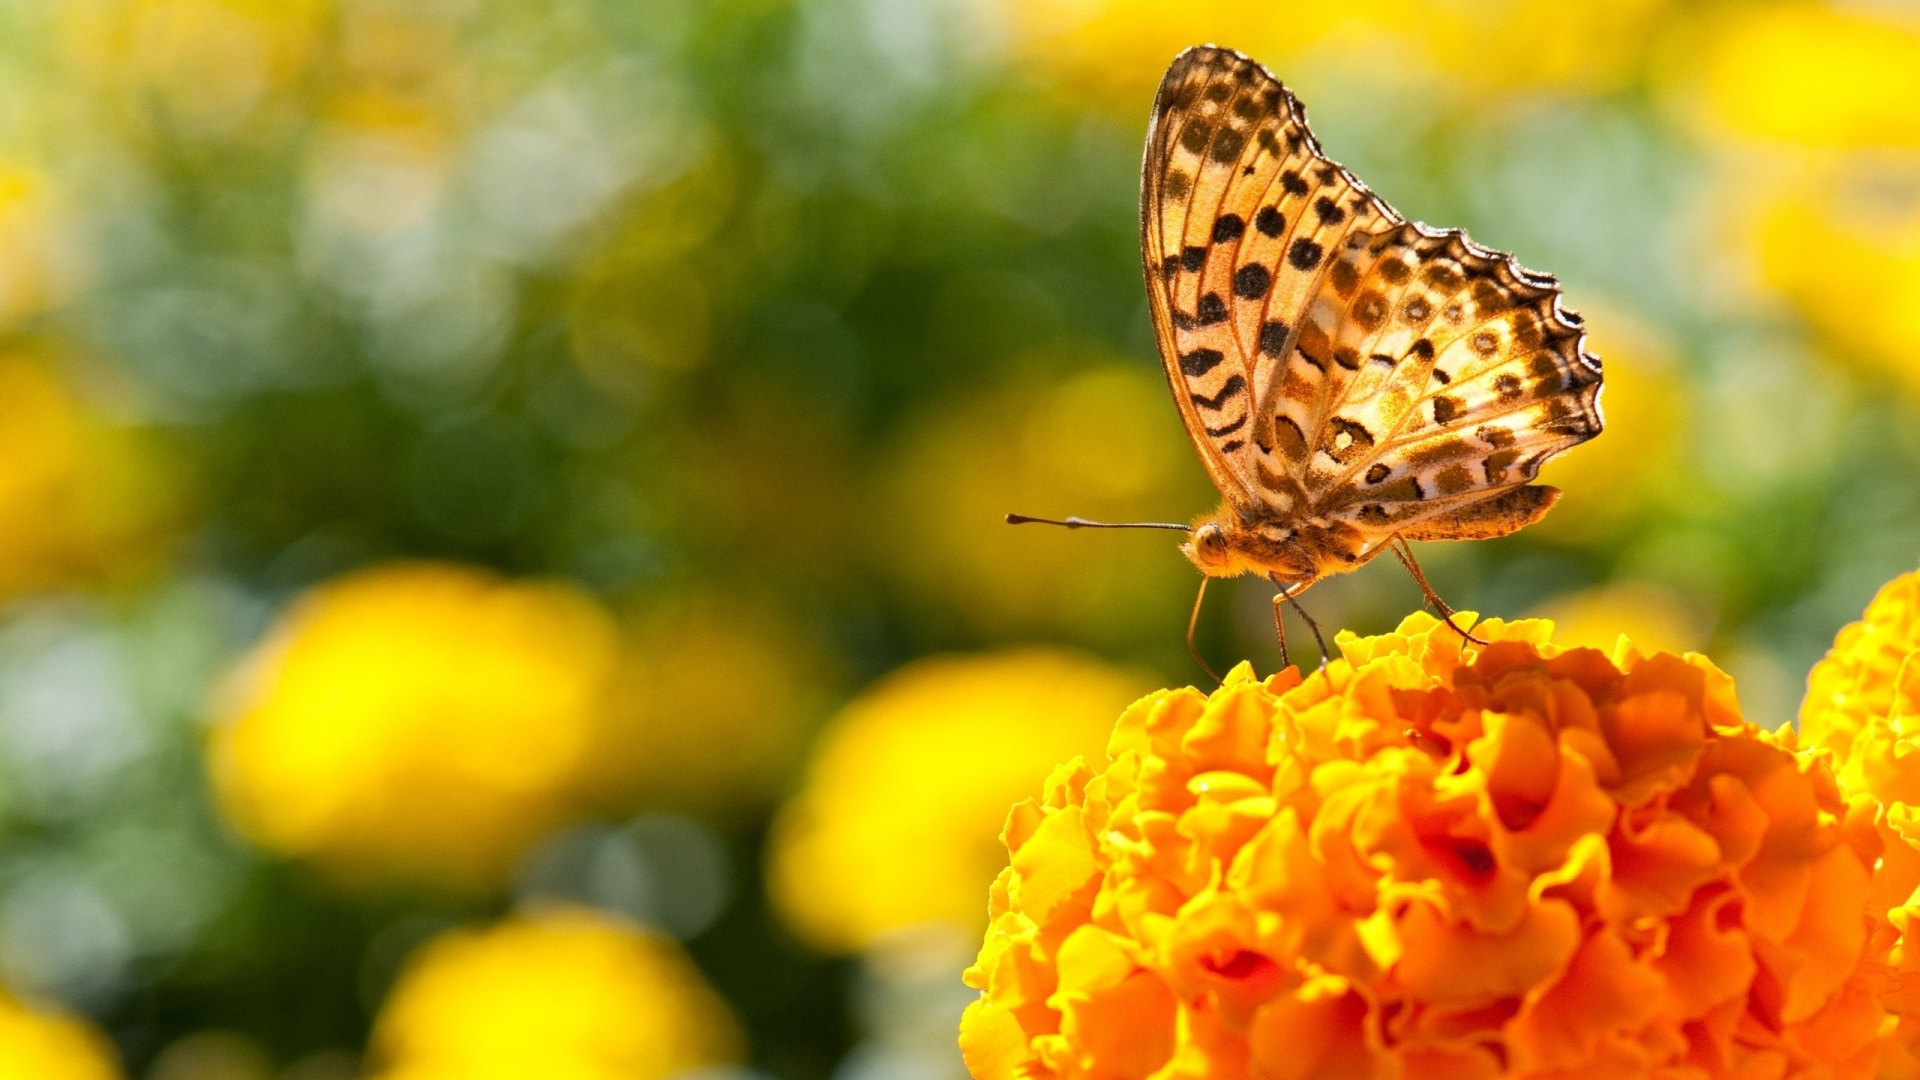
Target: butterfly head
1223, 545
1222, 549
1209, 550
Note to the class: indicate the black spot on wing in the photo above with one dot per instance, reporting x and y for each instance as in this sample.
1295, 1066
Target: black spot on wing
1194, 135
1304, 254
1273, 338
1228, 227
1200, 361
1329, 211
1229, 429
1212, 310
1252, 281
1370, 310
1192, 258
1228, 390
1345, 277
1270, 221
1291, 181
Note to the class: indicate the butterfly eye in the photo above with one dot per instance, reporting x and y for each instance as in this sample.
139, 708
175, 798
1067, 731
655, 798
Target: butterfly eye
1210, 543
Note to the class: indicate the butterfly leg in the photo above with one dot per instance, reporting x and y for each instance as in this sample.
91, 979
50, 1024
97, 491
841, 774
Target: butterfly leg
1293, 598
1280, 629
1404, 553
1193, 622
1290, 594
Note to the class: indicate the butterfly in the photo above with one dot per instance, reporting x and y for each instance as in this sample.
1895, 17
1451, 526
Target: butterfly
1352, 380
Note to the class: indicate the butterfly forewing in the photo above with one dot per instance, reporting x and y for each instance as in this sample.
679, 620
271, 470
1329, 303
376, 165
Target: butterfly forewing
1239, 211
1333, 362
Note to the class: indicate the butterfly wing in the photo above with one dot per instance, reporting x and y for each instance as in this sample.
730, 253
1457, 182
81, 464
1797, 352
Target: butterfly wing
1438, 377
1239, 211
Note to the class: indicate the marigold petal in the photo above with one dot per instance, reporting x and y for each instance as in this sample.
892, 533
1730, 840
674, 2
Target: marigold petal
1316, 1032
1055, 863
1520, 764
1125, 1030
993, 1044
1232, 731
1451, 964
1604, 991
1707, 959
1576, 808
1655, 736
1813, 963
1657, 865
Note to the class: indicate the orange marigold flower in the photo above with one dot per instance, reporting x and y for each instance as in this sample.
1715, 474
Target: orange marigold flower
1434, 861
1862, 699
1862, 713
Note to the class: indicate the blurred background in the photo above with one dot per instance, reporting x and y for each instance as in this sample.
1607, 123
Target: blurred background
500, 501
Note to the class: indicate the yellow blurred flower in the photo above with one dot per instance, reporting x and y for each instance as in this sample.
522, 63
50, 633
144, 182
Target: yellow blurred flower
208, 65
895, 825
713, 697
1810, 107
1429, 860
1608, 482
1846, 251
36, 1045
416, 720
1118, 48
560, 995
1640, 611
34, 270
1810, 73
80, 497
1103, 443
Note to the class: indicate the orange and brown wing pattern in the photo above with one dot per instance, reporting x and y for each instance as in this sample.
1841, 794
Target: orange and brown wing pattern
1239, 214
1440, 376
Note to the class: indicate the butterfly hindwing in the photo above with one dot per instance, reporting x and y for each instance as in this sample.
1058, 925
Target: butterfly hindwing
1458, 374
1239, 213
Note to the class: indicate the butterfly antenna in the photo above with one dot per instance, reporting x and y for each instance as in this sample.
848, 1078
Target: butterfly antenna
1404, 552
1193, 621
1083, 523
